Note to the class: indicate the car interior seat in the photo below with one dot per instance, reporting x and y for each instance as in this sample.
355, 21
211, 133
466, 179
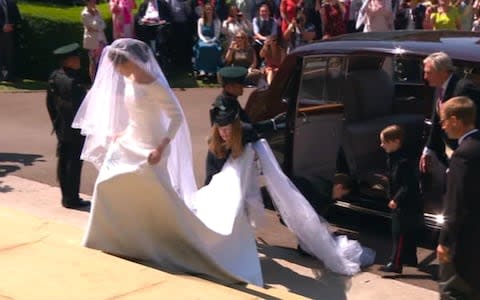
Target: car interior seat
368, 109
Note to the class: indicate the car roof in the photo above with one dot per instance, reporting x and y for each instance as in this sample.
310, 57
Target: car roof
459, 45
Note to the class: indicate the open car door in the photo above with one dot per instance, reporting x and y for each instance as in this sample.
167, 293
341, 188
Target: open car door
317, 127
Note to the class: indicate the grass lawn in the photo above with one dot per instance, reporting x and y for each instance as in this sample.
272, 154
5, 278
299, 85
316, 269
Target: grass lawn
63, 12
66, 15
23, 85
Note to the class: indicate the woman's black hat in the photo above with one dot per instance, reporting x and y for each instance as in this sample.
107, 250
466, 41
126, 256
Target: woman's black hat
223, 113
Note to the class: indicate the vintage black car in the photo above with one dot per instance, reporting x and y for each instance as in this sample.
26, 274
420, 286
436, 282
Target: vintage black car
337, 95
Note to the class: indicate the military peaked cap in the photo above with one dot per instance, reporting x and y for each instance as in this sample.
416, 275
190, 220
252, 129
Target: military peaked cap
68, 50
232, 75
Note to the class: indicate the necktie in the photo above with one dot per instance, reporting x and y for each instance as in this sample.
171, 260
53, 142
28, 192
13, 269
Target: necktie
439, 99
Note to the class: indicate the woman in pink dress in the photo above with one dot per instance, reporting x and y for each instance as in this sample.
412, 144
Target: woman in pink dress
122, 18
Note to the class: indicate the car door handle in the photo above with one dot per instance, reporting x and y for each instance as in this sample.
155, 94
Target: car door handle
304, 117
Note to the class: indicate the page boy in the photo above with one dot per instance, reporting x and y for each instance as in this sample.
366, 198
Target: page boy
404, 200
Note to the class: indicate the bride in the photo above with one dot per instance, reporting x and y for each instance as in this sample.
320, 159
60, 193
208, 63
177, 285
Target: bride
146, 205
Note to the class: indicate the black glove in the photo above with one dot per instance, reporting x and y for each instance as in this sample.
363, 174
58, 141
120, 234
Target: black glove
280, 121
273, 124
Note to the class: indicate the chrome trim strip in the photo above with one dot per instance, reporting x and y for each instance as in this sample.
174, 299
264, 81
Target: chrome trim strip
361, 209
430, 219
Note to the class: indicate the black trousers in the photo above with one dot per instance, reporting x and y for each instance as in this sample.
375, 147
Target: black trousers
213, 165
7, 52
453, 287
404, 244
182, 43
69, 170
351, 27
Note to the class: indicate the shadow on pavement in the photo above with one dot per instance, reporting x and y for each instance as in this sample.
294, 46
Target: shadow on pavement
24, 159
408, 276
321, 282
5, 188
9, 163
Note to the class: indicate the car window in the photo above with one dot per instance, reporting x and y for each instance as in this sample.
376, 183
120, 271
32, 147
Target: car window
321, 81
407, 70
469, 71
410, 70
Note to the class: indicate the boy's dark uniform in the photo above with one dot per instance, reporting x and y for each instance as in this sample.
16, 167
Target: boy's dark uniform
407, 218
64, 97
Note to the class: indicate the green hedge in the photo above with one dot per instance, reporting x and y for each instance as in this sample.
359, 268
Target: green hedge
46, 27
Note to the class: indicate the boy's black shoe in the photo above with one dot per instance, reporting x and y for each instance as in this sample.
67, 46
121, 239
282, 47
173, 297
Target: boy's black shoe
80, 203
391, 268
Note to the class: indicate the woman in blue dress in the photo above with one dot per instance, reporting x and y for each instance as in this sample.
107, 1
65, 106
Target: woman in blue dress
208, 50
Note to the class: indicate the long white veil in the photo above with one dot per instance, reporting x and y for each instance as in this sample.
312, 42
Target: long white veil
103, 114
340, 254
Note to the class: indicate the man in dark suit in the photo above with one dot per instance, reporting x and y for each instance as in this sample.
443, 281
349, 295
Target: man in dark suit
152, 23
459, 245
64, 96
9, 21
439, 73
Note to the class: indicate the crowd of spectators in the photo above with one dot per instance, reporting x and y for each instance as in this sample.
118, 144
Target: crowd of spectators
209, 34
257, 34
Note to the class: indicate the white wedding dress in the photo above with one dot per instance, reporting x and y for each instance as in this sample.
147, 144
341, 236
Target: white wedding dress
137, 213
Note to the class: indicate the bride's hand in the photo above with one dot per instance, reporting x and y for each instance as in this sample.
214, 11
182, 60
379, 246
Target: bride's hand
117, 136
156, 155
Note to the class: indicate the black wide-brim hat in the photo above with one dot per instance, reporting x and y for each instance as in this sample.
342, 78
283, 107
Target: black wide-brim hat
224, 113
232, 75
67, 50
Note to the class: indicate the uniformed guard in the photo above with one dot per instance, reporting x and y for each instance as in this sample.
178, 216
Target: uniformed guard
232, 80
64, 96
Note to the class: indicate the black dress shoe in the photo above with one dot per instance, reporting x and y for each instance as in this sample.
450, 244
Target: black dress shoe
391, 268
80, 203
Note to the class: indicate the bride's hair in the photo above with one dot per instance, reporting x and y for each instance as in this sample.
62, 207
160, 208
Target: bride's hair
123, 50
220, 148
